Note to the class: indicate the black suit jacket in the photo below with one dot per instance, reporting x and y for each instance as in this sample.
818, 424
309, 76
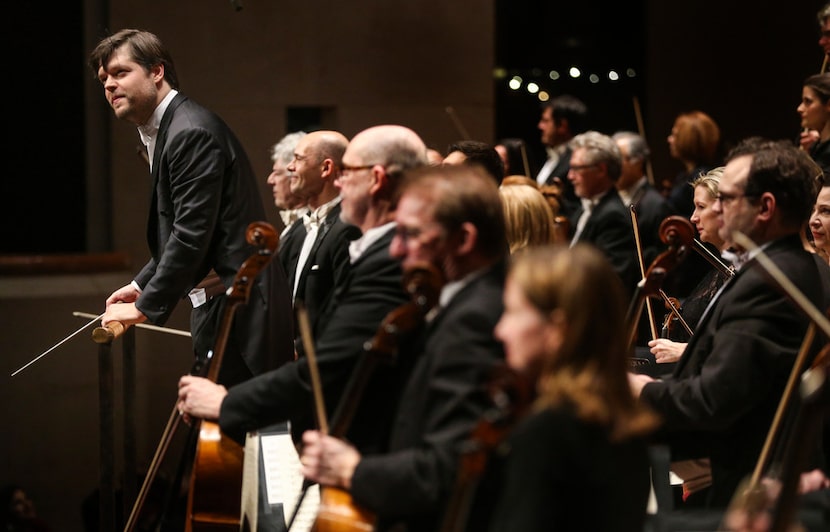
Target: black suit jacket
289, 250
204, 196
651, 208
441, 404
727, 385
609, 229
327, 266
568, 200
373, 288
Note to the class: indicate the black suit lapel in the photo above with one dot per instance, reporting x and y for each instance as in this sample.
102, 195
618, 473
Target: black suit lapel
161, 140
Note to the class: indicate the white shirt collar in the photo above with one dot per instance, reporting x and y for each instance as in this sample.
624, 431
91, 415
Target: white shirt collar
628, 194
314, 219
147, 132
357, 247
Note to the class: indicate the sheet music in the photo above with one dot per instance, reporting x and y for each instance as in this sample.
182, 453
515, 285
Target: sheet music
283, 480
250, 480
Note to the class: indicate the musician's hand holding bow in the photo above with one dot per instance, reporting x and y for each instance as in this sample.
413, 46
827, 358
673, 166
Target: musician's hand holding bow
328, 460
200, 397
666, 351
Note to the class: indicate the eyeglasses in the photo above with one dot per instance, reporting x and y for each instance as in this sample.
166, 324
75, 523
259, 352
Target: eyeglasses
581, 167
346, 168
726, 199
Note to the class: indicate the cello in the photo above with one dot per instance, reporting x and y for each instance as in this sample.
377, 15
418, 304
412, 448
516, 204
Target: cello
337, 511
214, 496
677, 232
217, 452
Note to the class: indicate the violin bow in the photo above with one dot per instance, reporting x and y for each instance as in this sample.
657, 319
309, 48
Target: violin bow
751, 496
649, 309
317, 390
316, 383
642, 130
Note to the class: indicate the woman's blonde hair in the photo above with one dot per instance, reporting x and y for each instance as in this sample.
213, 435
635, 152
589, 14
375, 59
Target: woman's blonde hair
528, 216
590, 369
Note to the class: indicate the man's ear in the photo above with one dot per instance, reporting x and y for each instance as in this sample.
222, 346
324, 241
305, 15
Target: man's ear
767, 206
381, 179
157, 72
327, 167
468, 238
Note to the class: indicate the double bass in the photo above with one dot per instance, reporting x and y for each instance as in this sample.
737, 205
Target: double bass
214, 497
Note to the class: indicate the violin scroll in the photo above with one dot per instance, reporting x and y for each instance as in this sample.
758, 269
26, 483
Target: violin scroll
423, 283
265, 238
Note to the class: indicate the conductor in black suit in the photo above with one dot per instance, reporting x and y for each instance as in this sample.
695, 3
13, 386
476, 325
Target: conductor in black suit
204, 196
451, 217
720, 401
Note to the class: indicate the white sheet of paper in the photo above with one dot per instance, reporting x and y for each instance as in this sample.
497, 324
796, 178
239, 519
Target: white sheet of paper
284, 480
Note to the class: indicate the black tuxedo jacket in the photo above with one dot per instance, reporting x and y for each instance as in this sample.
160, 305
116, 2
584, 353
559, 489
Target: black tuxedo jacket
441, 404
609, 229
568, 200
289, 250
327, 266
651, 208
204, 196
727, 385
372, 289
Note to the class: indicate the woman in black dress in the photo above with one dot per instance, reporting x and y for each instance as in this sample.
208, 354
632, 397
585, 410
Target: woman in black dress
578, 460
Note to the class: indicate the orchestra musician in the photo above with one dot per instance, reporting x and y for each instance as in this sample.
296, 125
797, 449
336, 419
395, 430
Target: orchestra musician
451, 217
578, 460
721, 398
707, 222
373, 166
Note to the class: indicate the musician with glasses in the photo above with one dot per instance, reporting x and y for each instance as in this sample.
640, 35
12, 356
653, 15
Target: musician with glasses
720, 401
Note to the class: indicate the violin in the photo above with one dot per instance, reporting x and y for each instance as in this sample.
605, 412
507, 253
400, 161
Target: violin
726, 271
673, 308
678, 234
214, 497
511, 395
337, 511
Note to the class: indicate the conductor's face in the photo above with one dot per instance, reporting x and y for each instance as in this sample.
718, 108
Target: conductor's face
132, 91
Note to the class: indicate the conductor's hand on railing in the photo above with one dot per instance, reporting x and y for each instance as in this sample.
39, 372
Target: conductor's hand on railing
121, 307
200, 398
125, 313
